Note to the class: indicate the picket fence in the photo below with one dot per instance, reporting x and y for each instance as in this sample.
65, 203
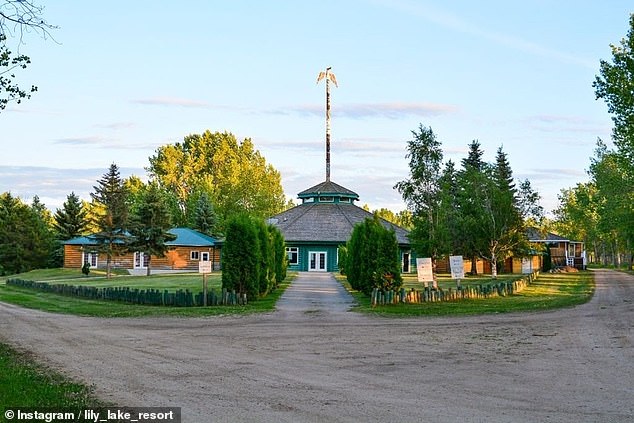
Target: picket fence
431, 295
180, 298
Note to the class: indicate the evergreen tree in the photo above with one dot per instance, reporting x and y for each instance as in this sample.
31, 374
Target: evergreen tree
241, 257
70, 220
205, 218
279, 248
111, 195
150, 225
267, 258
471, 181
373, 257
501, 224
26, 239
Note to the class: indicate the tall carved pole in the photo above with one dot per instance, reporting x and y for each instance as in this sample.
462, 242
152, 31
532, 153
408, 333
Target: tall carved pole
328, 76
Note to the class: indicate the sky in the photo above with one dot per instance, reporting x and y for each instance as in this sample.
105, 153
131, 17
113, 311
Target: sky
122, 78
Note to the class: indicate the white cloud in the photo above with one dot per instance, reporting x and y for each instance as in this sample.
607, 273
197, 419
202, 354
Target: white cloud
389, 110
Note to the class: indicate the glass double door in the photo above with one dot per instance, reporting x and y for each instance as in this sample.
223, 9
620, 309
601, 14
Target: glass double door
317, 261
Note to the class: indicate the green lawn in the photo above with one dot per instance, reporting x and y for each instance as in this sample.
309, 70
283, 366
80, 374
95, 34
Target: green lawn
26, 384
171, 282
549, 291
410, 280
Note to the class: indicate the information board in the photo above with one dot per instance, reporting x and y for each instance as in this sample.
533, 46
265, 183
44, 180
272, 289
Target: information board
204, 267
456, 263
424, 269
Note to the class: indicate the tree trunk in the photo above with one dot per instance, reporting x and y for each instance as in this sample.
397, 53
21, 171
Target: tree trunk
474, 265
494, 266
149, 266
108, 260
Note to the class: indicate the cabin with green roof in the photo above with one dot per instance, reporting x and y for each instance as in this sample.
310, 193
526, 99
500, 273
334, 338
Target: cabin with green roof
185, 252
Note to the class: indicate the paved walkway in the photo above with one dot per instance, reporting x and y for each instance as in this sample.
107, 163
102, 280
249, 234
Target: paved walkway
316, 293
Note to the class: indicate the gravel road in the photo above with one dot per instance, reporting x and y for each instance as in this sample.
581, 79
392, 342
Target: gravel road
314, 361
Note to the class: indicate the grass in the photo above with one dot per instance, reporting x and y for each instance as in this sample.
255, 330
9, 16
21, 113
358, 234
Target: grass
26, 384
549, 291
85, 307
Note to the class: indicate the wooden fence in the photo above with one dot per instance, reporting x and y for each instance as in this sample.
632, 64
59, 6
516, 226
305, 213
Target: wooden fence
431, 295
180, 298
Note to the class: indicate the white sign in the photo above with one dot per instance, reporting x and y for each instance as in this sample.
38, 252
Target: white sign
204, 267
456, 263
424, 269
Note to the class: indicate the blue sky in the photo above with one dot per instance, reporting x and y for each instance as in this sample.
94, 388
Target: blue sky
123, 78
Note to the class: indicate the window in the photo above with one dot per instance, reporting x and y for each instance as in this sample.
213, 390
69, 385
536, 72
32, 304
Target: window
195, 255
205, 256
326, 199
292, 253
90, 258
344, 200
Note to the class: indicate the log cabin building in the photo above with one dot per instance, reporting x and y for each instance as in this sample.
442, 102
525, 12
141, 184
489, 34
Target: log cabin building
185, 252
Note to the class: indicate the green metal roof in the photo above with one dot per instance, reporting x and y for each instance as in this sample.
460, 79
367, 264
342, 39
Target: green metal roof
184, 237
191, 238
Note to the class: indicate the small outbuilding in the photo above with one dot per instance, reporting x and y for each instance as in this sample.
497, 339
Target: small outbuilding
563, 251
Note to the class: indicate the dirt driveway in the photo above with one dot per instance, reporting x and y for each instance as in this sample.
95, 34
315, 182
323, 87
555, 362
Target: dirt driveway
312, 361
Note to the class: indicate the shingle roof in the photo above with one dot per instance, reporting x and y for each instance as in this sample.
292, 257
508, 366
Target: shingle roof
328, 188
326, 222
534, 235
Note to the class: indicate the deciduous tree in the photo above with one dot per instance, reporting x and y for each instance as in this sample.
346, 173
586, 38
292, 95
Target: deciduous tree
17, 17
233, 173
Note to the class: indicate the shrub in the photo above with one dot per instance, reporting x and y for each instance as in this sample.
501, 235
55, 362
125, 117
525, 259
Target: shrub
241, 257
373, 257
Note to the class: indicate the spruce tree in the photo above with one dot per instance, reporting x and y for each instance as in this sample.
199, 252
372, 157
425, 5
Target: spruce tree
70, 221
150, 224
205, 218
111, 195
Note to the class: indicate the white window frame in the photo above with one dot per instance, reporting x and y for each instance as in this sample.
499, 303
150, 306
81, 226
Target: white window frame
90, 257
204, 256
194, 255
318, 261
289, 253
141, 260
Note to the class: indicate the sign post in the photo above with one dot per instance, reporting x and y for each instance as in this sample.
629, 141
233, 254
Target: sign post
204, 267
424, 270
456, 263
